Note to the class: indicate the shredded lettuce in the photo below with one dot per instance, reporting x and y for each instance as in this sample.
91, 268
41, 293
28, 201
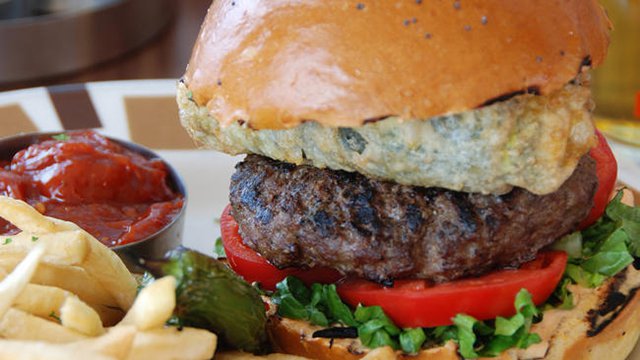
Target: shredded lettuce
411, 340
599, 251
629, 218
571, 244
610, 256
479, 338
321, 305
561, 297
337, 309
218, 249
296, 301
375, 329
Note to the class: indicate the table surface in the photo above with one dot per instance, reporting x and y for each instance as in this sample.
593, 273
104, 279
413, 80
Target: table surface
165, 56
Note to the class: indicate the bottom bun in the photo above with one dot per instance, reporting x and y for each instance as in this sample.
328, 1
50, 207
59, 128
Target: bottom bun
604, 324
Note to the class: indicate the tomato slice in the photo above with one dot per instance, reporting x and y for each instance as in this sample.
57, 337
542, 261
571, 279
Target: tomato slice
252, 267
607, 172
415, 303
410, 303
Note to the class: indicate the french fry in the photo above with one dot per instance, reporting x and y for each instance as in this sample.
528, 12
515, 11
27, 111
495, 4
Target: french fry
75, 280
14, 283
62, 248
116, 342
70, 278
41, 300
102, 264
77, 286
171, 343
78, 316
108, 270
19, 325
153, 306
28, 219
29, 350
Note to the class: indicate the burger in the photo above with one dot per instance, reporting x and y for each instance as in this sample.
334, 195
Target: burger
423, 178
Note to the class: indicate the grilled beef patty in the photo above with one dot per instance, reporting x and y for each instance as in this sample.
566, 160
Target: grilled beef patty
303, 216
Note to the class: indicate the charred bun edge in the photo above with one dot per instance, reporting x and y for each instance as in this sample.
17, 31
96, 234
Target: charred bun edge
585, 65
535, 90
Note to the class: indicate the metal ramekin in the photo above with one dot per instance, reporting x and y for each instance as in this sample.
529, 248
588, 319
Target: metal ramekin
133, 254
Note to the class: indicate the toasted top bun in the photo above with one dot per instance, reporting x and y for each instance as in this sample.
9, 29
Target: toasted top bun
276, 63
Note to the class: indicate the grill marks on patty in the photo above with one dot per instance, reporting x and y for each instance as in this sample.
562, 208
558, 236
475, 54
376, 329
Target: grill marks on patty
305, 217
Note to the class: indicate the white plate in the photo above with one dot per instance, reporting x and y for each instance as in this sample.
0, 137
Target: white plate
144, 111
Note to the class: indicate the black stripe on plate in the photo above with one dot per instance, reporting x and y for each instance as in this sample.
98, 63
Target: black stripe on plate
74, 107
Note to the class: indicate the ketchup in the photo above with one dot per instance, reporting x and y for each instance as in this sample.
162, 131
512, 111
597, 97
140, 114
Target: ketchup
115, 194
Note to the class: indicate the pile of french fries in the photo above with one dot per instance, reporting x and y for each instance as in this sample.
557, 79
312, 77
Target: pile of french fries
64, 295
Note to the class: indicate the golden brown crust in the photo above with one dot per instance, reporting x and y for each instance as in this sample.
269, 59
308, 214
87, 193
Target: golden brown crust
275, 64
292, 337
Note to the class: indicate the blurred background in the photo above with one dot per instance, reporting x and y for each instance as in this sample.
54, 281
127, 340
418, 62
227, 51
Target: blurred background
50, 42
616, 84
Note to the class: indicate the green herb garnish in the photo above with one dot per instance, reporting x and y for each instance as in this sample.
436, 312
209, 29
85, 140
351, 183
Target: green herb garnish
7, 241
218, 249
34, 238
55, 317
61, 137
